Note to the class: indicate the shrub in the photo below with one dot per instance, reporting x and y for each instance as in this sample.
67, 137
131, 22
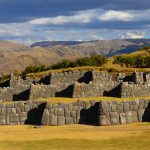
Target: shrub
95, 60
133, 61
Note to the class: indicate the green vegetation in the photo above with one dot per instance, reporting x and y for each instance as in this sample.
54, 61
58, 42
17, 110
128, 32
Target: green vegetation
96, 60
4, 77
137, 61
145, 48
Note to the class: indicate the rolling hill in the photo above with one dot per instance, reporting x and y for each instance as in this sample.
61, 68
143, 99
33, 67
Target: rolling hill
15, 56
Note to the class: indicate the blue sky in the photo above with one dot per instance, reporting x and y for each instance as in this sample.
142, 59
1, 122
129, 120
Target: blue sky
35, 20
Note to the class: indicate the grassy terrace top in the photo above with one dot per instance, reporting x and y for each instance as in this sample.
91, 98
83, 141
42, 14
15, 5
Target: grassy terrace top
70, 100
112, 68
55, 100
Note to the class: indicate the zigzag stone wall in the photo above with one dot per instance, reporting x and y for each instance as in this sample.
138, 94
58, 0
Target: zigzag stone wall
134, 90
94, 89
73, 113
17, 113
76, 84
113, 113
81, 112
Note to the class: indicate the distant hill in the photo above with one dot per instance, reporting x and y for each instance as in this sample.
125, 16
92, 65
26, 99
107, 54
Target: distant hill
108, 48
55, 43
15, 56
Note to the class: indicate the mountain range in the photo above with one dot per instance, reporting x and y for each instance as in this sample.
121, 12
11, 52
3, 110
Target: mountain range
16, 56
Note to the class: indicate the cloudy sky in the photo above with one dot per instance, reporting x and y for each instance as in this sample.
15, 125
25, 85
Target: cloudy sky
35, 20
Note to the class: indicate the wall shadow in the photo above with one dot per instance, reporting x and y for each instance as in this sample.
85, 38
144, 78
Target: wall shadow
22, 96
68, 92
45, 80
5, 83
89, 116
128, 78
146, 116
86, 78
34, 116
115, 92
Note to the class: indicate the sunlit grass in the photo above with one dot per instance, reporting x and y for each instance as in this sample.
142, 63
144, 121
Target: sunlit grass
76, 137
108, 67
70, 100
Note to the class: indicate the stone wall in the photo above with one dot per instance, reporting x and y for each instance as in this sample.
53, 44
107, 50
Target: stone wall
41, 91
76, 84
14, 93
94, 89
73, 113
134, 90
17, 113
80, 112
114, 113
69, 77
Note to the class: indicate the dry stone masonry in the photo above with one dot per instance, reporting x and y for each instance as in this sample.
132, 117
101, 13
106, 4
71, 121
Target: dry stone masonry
24, 108
100, 113
76, 84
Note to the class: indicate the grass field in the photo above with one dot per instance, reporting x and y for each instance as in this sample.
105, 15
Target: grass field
76, 137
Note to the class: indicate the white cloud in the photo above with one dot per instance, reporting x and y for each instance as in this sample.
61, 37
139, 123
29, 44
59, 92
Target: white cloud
15, 29
35, 30
116, 16
133, 35
125, 16
78, 17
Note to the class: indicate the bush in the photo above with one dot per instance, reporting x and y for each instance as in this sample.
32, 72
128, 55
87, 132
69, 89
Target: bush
95, 60
137, 61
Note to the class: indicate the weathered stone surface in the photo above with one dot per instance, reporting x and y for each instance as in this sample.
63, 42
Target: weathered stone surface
103, 107
45, 117
11, 117
16, 117
119, 107
51, 110
126, 107
61, 120
75, 108
69, 120
113, 107
23, 116
114, 118
13, 110
73, 114
141, 104
140, 115
129, 117
132, 117
3, 111
2, 120
67, 113
18, 110
60, 112
7, 120
9, 110
52, 120
122, 118
27, 108
104, 120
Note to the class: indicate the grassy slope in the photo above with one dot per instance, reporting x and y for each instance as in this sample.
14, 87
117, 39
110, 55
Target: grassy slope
76, 137
109, 66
